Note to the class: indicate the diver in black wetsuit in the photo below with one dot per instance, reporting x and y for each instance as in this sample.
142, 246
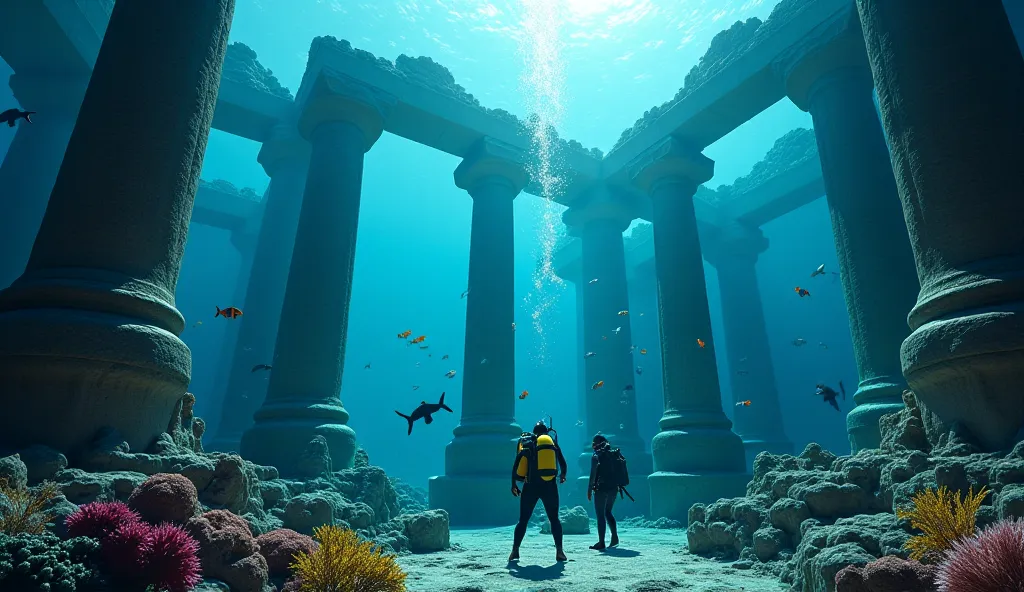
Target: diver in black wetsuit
603, 492
535, 466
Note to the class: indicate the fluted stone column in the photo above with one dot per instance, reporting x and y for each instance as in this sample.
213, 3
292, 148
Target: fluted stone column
697, 457
479, 458
830, 78
285, 158
610, 410
89, 333
733, 251
950, 80
342, 120
33, 159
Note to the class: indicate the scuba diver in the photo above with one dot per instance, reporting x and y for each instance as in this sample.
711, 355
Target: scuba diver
608, 477
537, 464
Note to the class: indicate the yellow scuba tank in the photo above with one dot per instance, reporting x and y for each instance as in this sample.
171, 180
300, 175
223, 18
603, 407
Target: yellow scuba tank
541, 451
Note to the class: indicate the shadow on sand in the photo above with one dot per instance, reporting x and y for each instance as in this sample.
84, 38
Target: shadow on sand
620, 552
536, 573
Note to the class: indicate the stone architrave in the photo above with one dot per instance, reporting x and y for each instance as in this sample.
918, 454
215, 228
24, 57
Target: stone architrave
828, 75
33, 159
611, 409
89, 333
479, 457
285, 158
342, 119
697, 457
950, 79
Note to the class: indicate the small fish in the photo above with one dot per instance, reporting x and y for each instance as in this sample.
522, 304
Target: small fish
632, 348
799, 341
622, 426
643, 352
639, 370
418, 339
593, 281
819, 271
801, 291
367, 366
405, 334
259, 367
415, 387
513, 326
641, 314
444, 357
11, 116
425, 411
417, 364
830, 395
589, 355
700, 342
579, 423
523, 395
483, 361
627, 388
248, 349
822, 345
605, 337
623, 313
430, 355
742, 372
616, 330
450, 374
228, 313
424, 347
197, 324
597, 385
743, 359
464, 294
743, 403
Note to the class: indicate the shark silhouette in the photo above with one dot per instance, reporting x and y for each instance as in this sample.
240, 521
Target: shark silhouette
10, 116
425, 411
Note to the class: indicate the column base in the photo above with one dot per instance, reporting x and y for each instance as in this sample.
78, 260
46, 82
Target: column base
68, 372
698, 450
475, 500
755, 446
283, 431
672, 494
862, 421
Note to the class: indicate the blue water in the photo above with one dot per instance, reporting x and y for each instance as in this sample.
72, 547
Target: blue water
621, 57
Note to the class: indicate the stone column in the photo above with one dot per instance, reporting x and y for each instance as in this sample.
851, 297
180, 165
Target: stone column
285, 158
950, 81
342, 120
89, 333
32, 161
831, 79
610, 409
733, 251
697, 457
478, 460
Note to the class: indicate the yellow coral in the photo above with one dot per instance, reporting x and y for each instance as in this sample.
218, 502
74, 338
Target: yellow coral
943, 517
24, 511
343, 563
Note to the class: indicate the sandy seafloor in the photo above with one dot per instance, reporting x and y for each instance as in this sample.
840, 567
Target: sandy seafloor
647, 560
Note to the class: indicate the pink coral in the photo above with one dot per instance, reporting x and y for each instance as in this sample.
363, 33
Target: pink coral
165, 497
98, 519
887, 574
228, 550
125, 551
993, 561
172, 563
279, 547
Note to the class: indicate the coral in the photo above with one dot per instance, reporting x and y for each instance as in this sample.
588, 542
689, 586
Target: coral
172, 561
124, 550
25, 509
279, 547
943, 517
43, 562
228, 550
98, 519
574, 521
991, 562
887, 574
241, 65
165, 497
795, 147
342, 561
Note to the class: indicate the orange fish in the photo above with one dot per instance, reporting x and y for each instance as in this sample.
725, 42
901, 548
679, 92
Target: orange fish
597, 385
643, 352
419, 339
524, 394
228, 313
700, 342
801, 291
405, 334
743, 403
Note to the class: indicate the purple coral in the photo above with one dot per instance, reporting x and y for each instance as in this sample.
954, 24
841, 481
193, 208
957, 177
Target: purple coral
125, 551
173, 559
993, 561
98, 519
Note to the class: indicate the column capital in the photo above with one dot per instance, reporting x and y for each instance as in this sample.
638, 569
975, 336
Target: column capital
336, 97
734, 242
670, 159
49, 93
283, 145
490, 158
600, 202
836, 47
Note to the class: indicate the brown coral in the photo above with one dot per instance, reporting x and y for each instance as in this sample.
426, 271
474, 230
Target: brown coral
165, 497
228, 550
25, 510
279, 547
887, 574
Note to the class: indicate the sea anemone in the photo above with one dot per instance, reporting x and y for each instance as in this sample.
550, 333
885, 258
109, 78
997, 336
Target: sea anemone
125, 551
172, 563
991, 562
98, 519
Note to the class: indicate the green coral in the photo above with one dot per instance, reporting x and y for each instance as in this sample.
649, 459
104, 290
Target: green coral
44, 563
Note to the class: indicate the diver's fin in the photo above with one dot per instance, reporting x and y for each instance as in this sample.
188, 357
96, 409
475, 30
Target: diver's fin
407, 418
834, 404
842, 389
443, 406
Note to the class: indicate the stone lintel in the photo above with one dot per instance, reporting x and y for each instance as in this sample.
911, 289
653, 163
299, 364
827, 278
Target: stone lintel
836, 44
670, 157
284, 144
492, 158
734, 242
600, 202
337, 97
49, 93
